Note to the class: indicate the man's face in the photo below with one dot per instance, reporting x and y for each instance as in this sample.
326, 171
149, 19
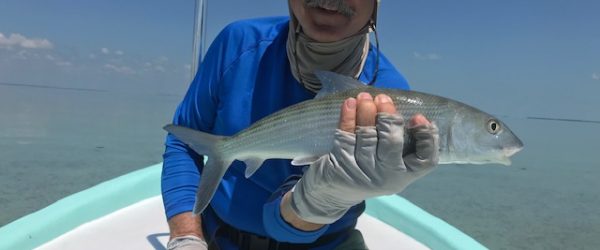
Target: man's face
332, 20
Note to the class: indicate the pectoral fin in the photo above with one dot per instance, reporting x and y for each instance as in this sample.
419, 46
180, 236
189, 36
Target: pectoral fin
252, 164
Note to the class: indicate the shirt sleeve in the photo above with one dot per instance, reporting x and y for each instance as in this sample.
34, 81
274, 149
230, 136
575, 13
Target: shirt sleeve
181, 165
277, 227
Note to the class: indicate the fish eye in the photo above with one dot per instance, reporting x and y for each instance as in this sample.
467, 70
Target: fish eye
493, 126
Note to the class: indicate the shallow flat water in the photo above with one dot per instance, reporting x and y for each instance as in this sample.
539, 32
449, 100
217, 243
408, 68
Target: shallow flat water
55, 142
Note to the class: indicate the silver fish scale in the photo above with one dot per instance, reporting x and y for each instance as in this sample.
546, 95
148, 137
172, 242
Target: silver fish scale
303, 127
307, 128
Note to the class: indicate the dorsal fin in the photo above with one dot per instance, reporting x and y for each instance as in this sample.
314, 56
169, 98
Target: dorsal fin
333, 82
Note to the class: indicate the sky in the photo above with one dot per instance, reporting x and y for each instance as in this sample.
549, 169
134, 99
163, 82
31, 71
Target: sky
543, 54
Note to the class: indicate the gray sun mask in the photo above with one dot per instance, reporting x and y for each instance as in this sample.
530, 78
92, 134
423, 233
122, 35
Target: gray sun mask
346, 56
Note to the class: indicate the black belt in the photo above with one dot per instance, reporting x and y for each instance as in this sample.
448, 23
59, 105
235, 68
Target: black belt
249, 241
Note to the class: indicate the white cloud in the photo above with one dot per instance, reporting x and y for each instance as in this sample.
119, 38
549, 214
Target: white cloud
50, 57
26, 55
119, 69
119, 53
105, 50
596, 76
23, 55
427, 56
64, 63
159, 64
159, 68
18, 40
92, 56
161, 59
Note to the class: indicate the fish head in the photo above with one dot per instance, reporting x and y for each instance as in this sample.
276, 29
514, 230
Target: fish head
476, 137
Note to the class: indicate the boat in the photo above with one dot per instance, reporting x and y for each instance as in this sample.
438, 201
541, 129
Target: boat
127, 213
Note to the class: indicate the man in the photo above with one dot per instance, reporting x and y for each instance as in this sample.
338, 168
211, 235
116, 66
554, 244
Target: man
256, 67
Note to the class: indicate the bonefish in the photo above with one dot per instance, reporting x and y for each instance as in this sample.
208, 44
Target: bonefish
304, 131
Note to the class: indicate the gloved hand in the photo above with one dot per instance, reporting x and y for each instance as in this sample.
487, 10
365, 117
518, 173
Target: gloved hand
364, 165
188, 242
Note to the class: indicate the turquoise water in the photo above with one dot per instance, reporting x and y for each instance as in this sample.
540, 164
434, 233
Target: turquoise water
56, 142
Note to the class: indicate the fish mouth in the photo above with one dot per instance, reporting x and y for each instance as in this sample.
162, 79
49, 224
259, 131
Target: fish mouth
501, 157
508, 152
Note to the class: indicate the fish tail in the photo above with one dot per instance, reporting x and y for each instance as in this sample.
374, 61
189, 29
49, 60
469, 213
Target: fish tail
201, 142
213, 172
215, 167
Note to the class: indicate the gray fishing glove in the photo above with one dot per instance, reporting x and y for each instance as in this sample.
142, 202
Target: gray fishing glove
188, 242
364, 165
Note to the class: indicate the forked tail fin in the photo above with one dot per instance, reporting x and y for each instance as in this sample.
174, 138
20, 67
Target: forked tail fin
213, 172
215, 167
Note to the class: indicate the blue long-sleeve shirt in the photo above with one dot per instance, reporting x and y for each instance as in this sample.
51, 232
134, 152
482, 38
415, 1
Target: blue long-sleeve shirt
245, 76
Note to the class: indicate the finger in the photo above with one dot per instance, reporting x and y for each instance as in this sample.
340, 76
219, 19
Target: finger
427, 144
348, 116
365, 110
426, 137
366, 148
390, 145
385, 104
418, 120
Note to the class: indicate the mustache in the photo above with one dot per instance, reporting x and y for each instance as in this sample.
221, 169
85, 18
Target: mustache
340, 5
